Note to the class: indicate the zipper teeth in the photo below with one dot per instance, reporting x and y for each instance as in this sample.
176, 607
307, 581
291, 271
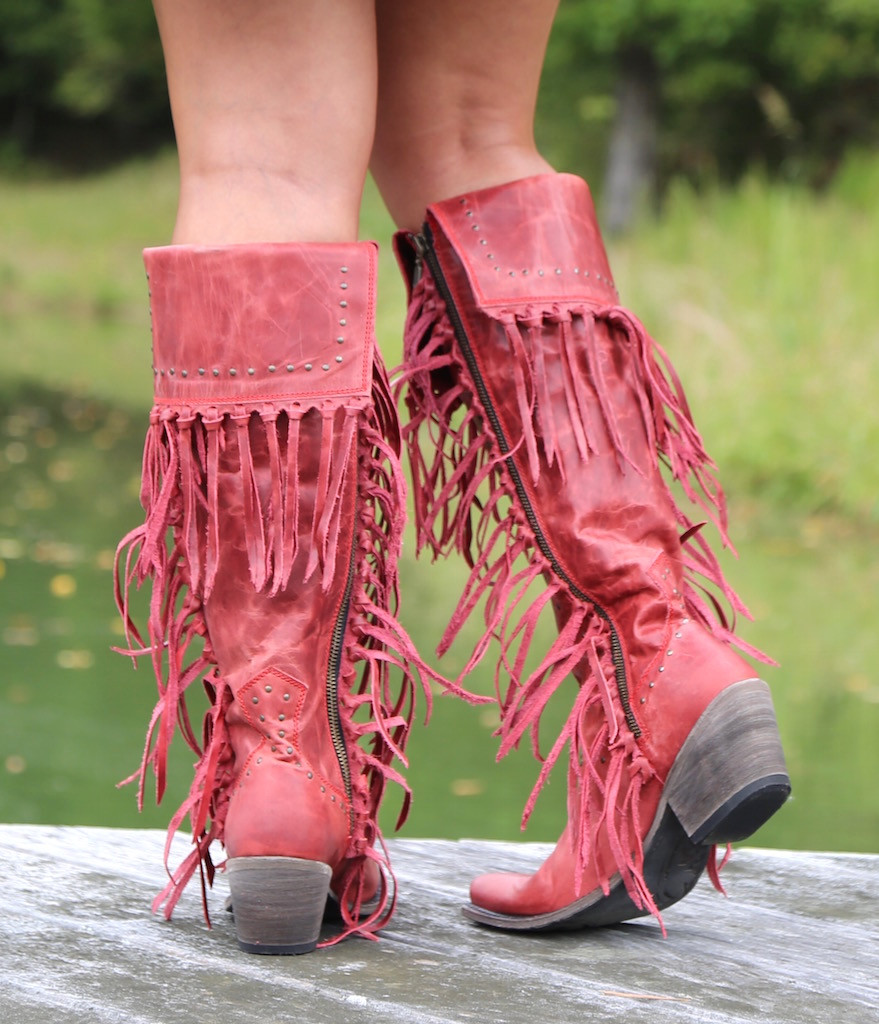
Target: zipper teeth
424, 245
332, 686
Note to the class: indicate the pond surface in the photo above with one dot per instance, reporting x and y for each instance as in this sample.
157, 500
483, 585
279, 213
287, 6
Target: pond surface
74, 713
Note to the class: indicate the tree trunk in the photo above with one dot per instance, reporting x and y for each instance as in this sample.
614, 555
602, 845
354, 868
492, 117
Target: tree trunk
630, 180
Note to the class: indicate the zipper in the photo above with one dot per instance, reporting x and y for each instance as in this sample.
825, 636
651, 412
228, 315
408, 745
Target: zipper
334, 666
423, 243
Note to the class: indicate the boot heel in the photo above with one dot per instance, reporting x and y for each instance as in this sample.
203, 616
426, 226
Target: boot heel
278, 902
730, 776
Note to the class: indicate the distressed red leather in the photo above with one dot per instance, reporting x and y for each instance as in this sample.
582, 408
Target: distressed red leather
553, 411
274, 511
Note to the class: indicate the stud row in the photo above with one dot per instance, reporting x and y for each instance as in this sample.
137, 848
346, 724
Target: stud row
540, 272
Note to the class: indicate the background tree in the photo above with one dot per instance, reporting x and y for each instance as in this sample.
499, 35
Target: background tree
708, 90
81, 81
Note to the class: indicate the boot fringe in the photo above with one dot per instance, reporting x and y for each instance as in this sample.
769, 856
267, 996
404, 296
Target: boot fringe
177, 549
465, 501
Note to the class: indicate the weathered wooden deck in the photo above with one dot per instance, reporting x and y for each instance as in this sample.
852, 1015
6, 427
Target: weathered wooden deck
798, 941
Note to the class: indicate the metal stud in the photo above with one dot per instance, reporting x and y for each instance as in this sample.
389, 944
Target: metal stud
483, 241
325, 366
338, 359
233, 372
540, 273
255, 700
311, 775
259, 760
512, 273
272, 367
290, 367
344, 284
274, 750
286, 696
201, 371
651, 685
643, 700
323, 789
343, 322
474, 227
216, 372
268, 688
344, 270
184, 373
281, 717
343, 304
289, 750
557, 270
282, 733
308, 366
262, 718
662, 668
251, 370
340, 340
171, 371
678, 635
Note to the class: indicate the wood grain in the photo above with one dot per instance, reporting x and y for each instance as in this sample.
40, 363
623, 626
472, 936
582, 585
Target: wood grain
797, 941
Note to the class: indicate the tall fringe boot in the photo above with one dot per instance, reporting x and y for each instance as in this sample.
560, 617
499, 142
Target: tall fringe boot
274, 508
540, 412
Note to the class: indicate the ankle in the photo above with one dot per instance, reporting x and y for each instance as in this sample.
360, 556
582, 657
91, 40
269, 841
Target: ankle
457, 167
238, 205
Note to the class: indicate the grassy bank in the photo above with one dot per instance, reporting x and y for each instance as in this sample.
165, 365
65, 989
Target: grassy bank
764, 297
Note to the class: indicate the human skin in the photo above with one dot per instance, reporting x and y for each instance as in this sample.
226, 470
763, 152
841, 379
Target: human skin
280, 108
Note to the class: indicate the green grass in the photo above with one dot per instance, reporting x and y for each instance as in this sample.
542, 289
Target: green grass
765, 298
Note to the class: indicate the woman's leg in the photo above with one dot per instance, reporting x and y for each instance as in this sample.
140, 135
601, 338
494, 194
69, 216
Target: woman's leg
540, 416
457, 91
272, 490
274, 108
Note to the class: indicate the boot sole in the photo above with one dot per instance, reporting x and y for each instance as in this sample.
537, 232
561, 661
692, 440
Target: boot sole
278, 903
728, 779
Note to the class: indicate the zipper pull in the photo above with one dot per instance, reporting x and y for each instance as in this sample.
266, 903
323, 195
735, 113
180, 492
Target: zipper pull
419, 243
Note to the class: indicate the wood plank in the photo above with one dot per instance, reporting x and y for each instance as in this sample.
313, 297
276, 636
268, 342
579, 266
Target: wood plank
798, 941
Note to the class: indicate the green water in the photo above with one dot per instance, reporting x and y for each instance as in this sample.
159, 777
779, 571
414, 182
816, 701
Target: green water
74, 712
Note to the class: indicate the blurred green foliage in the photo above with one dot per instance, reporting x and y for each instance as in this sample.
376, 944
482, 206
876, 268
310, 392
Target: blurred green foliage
89, 69
788, 85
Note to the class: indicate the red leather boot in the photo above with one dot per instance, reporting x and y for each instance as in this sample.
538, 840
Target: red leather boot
549, 411
274, 508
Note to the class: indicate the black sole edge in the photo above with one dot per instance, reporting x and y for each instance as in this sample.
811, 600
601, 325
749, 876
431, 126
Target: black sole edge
672, 866
745, 812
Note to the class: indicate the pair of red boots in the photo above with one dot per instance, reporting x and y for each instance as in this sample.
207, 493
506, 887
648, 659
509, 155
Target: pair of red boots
539, 412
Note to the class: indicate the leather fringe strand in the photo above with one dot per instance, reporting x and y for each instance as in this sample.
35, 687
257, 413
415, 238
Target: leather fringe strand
177, 548
465, 501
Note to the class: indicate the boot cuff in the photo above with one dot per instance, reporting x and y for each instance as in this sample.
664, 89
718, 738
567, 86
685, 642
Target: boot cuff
531, 241
261, 322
